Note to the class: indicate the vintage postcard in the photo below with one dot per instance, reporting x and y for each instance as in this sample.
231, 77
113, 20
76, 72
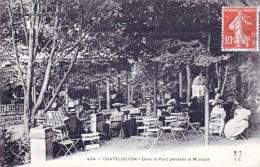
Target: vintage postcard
146, 83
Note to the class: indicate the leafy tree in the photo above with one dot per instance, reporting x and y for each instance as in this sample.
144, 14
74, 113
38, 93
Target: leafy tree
42, 34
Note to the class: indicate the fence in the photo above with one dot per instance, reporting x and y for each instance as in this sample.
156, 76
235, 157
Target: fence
11, 108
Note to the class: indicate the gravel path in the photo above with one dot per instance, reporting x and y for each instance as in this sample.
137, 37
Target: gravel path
124, 152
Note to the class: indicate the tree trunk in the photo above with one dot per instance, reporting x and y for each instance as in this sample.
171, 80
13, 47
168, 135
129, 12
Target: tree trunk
132, 94
180, 83
207, 92
119, 81
99, 100
26, 116
127, 87
67, 98
155, 88
207, 108
188, 82
218, 75
49, 65
163, 97
34, 94
225, 80
206, 116
31, 55
144, 90
108, 95
238, 85
72, 62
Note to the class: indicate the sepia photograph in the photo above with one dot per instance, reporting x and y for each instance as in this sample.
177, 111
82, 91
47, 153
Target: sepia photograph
141, 83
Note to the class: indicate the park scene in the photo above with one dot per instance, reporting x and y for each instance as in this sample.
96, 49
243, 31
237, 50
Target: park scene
99, 77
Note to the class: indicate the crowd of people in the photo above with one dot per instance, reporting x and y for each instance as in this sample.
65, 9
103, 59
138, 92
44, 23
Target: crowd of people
227, 118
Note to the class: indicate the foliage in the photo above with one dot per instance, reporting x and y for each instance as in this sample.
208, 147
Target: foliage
41, 35
12, 151
102, 39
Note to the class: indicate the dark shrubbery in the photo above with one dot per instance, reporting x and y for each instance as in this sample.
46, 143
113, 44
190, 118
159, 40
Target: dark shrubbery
12, 151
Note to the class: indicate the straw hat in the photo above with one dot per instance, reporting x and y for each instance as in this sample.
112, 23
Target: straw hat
72, 111
118, 104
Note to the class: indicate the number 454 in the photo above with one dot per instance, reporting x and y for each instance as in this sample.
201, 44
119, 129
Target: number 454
228, 39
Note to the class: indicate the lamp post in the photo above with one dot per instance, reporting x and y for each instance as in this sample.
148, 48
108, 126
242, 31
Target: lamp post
207, 81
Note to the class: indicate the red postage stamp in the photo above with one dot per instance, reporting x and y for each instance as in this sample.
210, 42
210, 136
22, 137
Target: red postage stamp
240, 29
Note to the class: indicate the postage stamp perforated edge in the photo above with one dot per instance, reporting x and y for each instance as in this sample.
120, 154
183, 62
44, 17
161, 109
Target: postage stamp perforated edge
257, 30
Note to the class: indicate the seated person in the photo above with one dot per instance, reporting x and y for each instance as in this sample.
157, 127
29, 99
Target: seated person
116, 118
74, 127
89, 131
129, 127
217, 118
177, 107
79, 109
162, 118
238, 124
106, 131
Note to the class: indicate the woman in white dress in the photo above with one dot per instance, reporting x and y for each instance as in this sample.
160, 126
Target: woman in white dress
238, 124
217, 118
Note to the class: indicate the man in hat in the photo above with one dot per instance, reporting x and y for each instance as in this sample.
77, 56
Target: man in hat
217, 118
74, 127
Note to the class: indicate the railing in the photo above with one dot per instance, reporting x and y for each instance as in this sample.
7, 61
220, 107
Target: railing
11, 108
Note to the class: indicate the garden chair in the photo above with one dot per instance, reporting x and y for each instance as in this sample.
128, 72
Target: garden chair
152, 125
243, 135
64, 142
168, 121
115, 125
147, 141
149, 138
153, 132
93, 139
180, 128
193, 128
140, 124
202, 131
